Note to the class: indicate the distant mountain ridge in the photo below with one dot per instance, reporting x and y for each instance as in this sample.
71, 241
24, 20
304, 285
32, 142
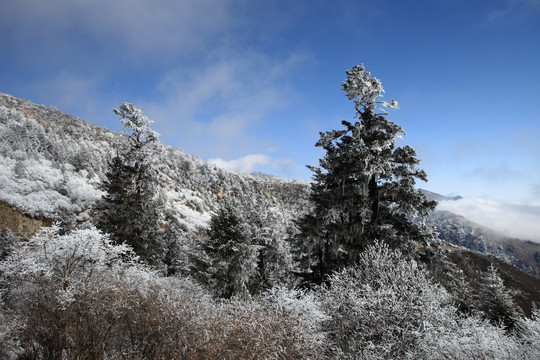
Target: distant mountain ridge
438, 197
458, 231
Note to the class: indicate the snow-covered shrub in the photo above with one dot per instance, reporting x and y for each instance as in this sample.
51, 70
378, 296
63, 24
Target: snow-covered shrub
302, 307
270, 328
386, 307
79, 296
382, 307
528, 333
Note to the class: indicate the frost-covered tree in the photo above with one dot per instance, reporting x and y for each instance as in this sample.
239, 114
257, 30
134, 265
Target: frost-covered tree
229, 258
274, 259
131, 208
364, 187
496, 302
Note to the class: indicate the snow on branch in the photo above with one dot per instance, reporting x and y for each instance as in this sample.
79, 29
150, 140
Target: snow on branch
364, 89
138, 124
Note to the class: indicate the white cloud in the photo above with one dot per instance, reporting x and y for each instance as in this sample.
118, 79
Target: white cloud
141, 26
245, 164
512, 219
495, 173
220, 107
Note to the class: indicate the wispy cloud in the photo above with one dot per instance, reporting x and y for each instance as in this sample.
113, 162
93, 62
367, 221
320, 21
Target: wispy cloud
68, 91
149, 27
512, 11
512, 219
245, 164
219, 108
206, 92
495, 173
536, 191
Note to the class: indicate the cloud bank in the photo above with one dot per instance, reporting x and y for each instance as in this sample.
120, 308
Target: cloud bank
512, 219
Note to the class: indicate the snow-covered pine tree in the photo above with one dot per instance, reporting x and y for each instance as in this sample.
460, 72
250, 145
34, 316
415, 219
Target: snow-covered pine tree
130, 209
230, 263
364, 187
274, 260
496, 302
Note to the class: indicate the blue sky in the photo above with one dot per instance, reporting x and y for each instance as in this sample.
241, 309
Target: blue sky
249, 84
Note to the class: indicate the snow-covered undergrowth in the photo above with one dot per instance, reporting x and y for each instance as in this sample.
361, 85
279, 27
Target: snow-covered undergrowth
41, 190
78, 296
386, 307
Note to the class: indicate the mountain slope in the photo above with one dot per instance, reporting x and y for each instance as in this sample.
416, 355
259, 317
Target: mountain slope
53, 164
525, 288
458, 231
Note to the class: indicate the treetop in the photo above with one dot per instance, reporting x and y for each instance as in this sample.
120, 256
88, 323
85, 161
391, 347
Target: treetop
134, 121
364, 89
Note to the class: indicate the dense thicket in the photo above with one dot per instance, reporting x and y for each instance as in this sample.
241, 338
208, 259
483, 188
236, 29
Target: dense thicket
80, 296
243, 252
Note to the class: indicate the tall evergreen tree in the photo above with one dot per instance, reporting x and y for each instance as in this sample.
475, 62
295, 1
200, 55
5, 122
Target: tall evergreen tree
364, 187
274, 260
230, 263
130, 209
496, 302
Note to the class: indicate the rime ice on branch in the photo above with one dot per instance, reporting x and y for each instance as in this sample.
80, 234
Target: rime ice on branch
364, 188
134, 121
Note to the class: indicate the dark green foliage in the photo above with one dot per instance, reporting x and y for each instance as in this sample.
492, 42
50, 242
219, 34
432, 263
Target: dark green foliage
130, 209
364, 188
130, 213
8, 242
231, 258
496, 302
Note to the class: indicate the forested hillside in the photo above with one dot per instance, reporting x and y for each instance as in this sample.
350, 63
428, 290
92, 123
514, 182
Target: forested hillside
57, 163
246, 266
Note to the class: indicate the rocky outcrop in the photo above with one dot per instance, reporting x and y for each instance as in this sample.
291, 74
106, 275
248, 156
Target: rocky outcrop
20, 224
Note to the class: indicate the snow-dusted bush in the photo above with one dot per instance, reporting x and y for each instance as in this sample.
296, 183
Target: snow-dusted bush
260, 330
382, 307
528, 333
386, 307
78, 296
304, 307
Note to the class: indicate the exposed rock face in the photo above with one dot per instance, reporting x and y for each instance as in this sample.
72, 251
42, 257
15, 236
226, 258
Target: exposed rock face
19, 223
